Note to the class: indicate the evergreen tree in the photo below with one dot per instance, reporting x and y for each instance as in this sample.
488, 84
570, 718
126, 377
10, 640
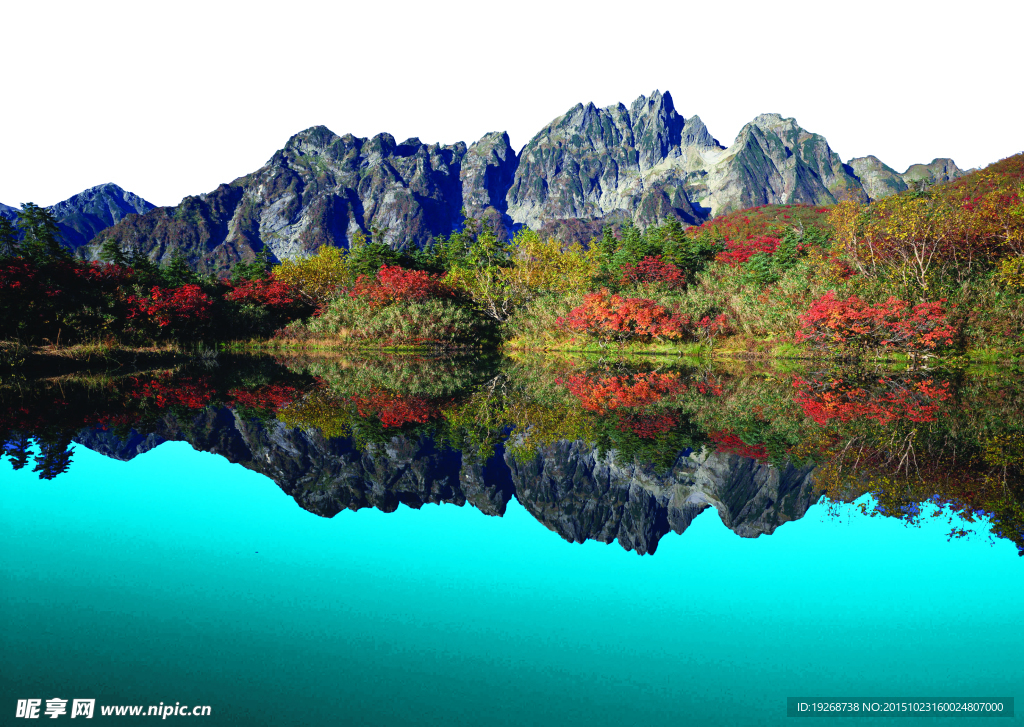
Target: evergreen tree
8, 238
54, 457
42, 234
177, 272
259, 268
112, 252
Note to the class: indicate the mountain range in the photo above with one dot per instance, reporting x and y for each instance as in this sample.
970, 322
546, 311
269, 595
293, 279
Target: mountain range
86, 214
644, 163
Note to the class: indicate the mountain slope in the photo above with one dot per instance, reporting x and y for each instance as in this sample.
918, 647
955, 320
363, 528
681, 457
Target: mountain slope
321, 189
85, 214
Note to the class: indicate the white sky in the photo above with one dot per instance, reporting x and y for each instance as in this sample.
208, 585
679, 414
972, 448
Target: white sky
173, 98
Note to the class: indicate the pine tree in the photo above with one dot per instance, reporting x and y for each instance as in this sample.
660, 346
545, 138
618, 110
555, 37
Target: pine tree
8, 238
42, 234
177, 272
112, 252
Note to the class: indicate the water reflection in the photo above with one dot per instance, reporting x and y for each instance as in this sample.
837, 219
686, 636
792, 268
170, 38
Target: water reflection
621, 451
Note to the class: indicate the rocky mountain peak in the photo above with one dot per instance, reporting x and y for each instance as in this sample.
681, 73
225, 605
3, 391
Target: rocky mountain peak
695, 133
103, 200
656, 128
878, 179
314, 140
488, 169
936, 172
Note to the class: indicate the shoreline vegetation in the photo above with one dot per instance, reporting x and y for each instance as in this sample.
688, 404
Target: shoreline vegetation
922, 277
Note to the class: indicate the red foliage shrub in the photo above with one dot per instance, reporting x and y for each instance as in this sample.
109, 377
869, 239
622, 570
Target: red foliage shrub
612, 317
887, 400
170, 306
104, 274
728, 443
266, 292
652, 269
740, 251
269, 397
767, 220
647, 426
395, 410
166, 390
16, 276
709, 328
601, 394
851, 324
393, 284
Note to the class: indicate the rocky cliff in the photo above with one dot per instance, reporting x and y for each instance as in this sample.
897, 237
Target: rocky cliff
321, 189
922, 176
591, 162
650, 163
646, 163
878, 179
568, 487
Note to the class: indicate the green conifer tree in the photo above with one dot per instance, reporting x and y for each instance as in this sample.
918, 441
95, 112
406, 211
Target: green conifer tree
42, 234
8, 238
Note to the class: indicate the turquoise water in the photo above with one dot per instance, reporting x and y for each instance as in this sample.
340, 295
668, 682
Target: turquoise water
178, 577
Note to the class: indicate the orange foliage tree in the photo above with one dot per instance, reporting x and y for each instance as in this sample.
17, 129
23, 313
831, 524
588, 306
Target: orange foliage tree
610, 317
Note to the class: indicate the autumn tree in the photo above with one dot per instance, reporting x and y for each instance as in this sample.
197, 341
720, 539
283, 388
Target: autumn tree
500, 277
318, 279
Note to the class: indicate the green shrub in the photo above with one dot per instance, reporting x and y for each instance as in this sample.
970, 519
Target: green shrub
430, 322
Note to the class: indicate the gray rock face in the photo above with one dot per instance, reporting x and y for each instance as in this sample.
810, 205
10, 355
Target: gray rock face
923, 176
775, 161
653, 164
567, 486
95, 209
110, 445
487, 172
590, 162
879, 180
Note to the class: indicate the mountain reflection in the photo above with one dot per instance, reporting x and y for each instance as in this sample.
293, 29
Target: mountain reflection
622, 451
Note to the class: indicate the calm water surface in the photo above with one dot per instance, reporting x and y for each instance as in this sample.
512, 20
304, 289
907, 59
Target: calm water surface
349, 564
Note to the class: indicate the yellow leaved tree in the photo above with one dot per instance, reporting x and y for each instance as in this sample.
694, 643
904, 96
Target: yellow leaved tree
537, 267
319, 278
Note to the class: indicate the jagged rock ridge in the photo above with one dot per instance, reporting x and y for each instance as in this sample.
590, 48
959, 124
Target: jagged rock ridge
321, 189
645, 163
591, 162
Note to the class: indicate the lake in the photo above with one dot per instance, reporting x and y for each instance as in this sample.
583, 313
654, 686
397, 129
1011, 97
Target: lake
392, 540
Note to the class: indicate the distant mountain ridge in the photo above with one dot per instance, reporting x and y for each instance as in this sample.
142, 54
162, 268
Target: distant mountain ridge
645, 163
89, 212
